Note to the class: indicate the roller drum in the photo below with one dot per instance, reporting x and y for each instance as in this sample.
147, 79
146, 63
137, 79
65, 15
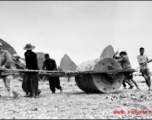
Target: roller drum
101, 82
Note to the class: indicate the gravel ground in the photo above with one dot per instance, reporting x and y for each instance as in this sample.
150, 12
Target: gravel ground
73, 103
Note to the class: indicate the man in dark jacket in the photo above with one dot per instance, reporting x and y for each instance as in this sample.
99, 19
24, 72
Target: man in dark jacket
50, 64
31, 79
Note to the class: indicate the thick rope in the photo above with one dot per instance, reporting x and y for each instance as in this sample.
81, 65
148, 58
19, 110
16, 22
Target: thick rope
69, 73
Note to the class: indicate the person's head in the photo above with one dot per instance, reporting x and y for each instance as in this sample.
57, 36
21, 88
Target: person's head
141, 50
46, 56
123, 53
29, 47
16, 56
0, 46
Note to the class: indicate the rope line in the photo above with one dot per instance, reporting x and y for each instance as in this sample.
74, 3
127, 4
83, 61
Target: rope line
67, 73
70, 73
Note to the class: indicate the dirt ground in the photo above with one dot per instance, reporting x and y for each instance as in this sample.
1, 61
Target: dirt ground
73, 103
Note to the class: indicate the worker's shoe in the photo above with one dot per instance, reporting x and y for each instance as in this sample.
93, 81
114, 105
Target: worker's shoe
39, 92
28, 95
36, 96
15, 95
131, 87
61, 90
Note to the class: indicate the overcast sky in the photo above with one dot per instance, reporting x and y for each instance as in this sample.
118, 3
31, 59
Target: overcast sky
81, 29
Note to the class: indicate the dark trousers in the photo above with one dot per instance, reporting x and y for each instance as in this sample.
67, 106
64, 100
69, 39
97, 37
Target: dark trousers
23, 83
126, 81
54, 82
31, 83
128, 77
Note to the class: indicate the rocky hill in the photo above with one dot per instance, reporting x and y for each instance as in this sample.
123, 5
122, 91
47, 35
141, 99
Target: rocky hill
67, 64
108, 52
7, 47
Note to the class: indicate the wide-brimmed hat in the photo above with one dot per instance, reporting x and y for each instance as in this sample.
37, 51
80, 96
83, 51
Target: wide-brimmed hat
29, 47
16, 56
123, 52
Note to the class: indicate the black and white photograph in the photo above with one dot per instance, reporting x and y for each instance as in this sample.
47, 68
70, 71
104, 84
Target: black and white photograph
75, 59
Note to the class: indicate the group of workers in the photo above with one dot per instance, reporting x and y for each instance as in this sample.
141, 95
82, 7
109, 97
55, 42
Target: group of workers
143, 61
30, 79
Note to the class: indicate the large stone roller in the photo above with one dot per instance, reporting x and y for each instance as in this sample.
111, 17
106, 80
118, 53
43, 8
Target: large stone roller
101, 82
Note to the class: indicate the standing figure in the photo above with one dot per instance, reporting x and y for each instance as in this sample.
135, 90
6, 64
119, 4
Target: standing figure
7, 76
50, 64
144, 69
125, 63
31, 79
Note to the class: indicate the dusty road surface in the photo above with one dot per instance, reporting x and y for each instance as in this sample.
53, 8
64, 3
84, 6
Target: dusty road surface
73, 103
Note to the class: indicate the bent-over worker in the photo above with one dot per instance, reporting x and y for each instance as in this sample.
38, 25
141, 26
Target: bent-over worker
50, 64
125, 63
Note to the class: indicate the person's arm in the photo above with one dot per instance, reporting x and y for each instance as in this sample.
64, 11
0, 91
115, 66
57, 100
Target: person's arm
116, 53
117, 57
148, 61
147, 58
55, 66
44, 66
36, 61
139, 61
8, 59
122, 59
26, 61
22, 63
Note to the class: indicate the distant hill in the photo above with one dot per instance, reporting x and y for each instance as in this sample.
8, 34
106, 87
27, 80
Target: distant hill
40, 58
67, 64
108, 52
7, 47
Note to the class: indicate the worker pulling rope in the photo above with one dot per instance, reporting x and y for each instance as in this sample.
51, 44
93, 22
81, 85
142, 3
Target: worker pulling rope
111, 73
144, 64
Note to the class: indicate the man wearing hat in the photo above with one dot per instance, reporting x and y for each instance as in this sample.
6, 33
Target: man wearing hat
7, 76
125, 64
31, 79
